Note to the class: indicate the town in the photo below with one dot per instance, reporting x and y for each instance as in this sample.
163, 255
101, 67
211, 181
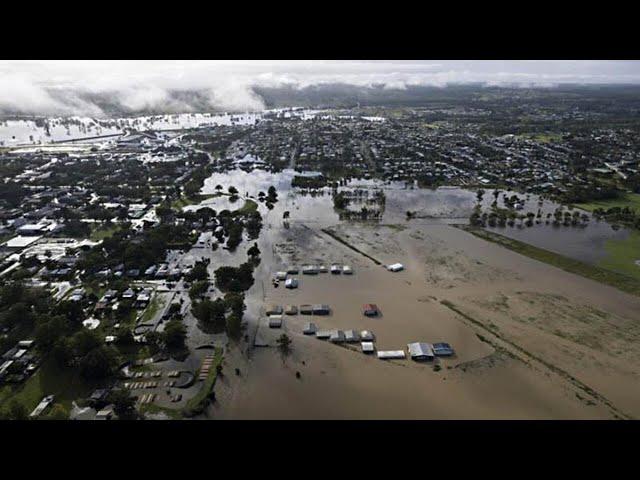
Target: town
141, 260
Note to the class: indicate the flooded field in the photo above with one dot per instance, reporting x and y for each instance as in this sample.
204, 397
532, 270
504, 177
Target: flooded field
531, 341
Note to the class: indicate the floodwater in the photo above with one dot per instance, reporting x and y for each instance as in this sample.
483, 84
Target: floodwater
522, 317
443, 263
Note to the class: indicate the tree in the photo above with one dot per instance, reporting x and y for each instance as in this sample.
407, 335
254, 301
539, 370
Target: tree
254, 251
198, 289
175, 334
233, 190
85, 341
211, 313
58, 412
234, 326
98, 363
284, 344
123, 404
17, 411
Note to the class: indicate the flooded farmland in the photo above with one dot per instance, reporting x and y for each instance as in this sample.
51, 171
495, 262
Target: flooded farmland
514, 359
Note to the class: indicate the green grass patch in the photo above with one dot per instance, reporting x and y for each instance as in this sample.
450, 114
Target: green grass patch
100, 232
631, 200
249, 207
65, 383
151, 310
615, 279
622, 255
173, 414
199, 401
185, 201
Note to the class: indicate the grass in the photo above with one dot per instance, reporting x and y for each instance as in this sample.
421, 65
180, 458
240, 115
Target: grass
622, 255
173, 414
49, 379
198, 402
615, 279
543, 137
151, 310
184, 201
249, 207
631, 200
101, 232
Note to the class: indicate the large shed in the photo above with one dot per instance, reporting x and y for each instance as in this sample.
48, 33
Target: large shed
420, 351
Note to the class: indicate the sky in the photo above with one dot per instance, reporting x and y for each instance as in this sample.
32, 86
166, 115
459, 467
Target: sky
50, 87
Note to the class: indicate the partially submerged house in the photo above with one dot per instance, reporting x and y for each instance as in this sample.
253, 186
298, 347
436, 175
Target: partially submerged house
395, 267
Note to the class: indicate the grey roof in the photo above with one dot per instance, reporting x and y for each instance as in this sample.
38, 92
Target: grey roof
420, 350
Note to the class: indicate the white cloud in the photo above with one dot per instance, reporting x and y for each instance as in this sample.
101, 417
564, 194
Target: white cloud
49, 87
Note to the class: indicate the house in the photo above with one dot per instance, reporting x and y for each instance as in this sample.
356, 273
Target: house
367, 347
391, 354
347, 270
310, 329
321, 309
442, 349
420, 351
322, 269
395, 267
370, 310
336, 269
280, 275
293, 270
291, 283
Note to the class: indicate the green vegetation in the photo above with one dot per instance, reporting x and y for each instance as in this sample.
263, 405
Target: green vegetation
199, 402
50, 379
184, 201
631, 200
151, 310
249, 207
622, 255
102, 231
602, 275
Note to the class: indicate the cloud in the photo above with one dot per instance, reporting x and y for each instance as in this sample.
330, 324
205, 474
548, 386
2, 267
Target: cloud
96, 88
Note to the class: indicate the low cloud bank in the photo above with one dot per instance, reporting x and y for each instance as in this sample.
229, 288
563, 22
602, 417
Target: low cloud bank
105, 88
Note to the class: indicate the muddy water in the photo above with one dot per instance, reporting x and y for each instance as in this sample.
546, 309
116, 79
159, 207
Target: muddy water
443, 263
339, 382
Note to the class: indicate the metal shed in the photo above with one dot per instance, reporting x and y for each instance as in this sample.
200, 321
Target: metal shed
420, 351
321, 309
391, 354
367, 347
275, 321
337, 336
351, 336
310, 328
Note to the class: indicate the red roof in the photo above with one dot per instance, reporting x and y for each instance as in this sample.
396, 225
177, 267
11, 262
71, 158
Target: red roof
369, 307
